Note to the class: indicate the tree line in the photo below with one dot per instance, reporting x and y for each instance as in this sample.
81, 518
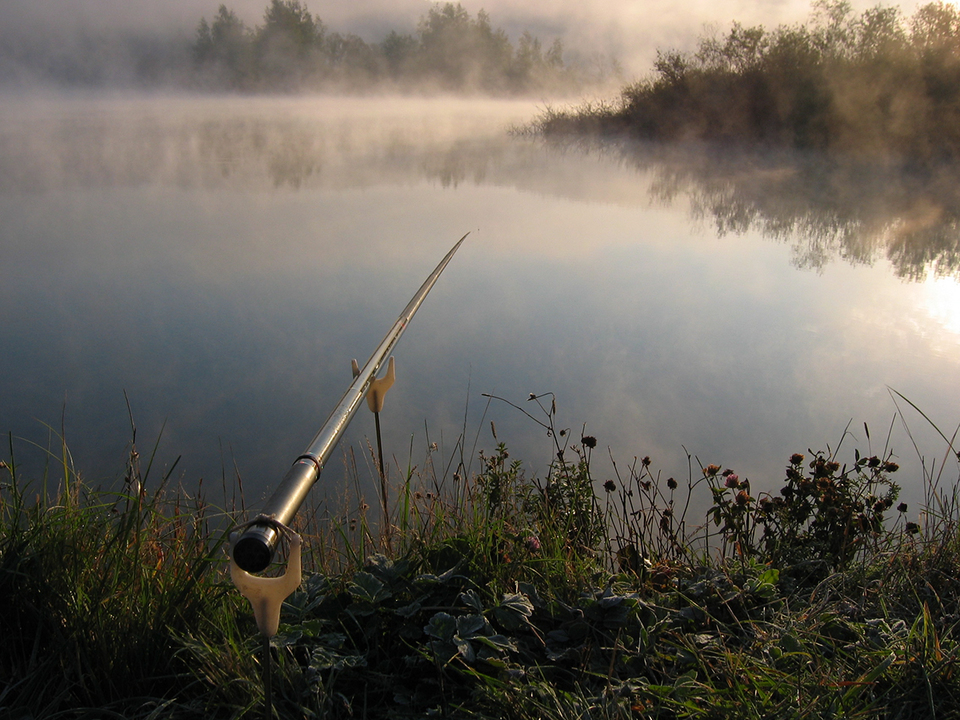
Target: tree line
293, 49
868, 85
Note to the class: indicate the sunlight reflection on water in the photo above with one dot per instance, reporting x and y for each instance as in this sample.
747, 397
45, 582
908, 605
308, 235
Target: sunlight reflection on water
221, 261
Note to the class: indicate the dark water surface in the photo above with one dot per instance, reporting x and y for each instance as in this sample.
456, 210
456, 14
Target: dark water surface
221, 261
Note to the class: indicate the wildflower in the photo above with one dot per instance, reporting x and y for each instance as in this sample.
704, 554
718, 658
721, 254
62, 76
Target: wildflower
532, 542
609, 486
874, 462
732, 481
711, 470
796, 459
833, 466
668, 512
589, 441
743, 497
671, 483
902, 507
890, 467
912, 528
646, 461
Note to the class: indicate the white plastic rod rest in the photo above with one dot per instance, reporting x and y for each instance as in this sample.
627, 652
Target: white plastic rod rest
379, 386
266, 594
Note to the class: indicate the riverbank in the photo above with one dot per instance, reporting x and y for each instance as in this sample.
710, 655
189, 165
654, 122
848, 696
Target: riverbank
505, 594
878, 85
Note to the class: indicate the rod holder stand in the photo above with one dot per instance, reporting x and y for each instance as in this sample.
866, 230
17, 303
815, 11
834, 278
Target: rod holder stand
379, 386
266, 594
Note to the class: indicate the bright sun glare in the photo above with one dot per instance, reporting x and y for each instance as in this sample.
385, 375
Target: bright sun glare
942, 300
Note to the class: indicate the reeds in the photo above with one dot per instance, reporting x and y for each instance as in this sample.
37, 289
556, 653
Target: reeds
500, 594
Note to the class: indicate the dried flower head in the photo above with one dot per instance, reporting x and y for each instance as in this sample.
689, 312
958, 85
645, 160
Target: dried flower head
609, 486
671, 483
589, 441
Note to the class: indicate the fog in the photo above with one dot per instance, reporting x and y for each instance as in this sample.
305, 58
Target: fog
51, 34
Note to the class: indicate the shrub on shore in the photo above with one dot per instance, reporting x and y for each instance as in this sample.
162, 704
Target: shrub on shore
874, 85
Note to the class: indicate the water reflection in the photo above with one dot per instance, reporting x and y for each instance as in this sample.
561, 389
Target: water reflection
222, 260
825, 210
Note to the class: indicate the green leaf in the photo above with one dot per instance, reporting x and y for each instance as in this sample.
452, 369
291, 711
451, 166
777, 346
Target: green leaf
470, 625
471, 600
442, 626
514, 611
368, 587
500, 643
769, 576
408, 611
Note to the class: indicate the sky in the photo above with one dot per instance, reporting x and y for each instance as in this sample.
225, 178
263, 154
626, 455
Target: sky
629, 30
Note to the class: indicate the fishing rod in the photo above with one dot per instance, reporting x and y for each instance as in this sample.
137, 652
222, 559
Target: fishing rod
253, 550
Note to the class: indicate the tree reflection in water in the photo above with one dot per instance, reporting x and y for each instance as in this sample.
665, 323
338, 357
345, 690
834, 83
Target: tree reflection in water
825, 208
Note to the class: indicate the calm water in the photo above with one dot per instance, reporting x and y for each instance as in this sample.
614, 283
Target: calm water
220, 261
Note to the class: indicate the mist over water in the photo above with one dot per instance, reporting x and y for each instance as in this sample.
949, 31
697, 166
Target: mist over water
221, 260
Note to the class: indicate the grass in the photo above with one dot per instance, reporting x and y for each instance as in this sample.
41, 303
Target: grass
497, 595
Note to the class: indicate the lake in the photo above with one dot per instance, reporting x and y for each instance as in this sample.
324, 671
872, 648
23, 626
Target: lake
218, 262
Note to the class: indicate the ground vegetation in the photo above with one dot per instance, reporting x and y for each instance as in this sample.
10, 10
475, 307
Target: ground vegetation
499, 594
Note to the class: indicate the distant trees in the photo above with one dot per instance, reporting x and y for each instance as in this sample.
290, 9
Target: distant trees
224, 48
451, 51
869, 85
